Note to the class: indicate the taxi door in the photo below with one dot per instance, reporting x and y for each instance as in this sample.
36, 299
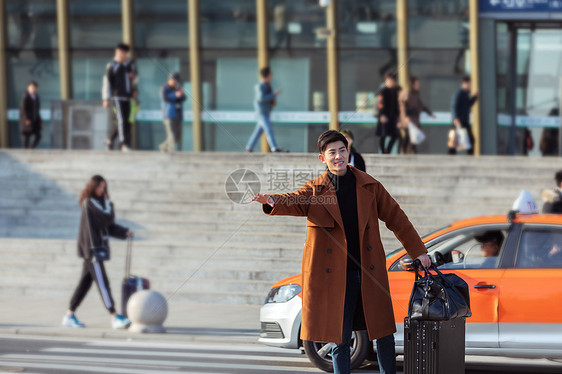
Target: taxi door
531, 299
484, 284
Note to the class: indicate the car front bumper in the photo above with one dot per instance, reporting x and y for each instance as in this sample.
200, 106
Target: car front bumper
280, 323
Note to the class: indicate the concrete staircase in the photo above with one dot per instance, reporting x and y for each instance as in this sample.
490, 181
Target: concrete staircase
193, 242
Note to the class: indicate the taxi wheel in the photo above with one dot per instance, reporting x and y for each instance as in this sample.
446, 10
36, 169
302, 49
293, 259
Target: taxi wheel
320, 354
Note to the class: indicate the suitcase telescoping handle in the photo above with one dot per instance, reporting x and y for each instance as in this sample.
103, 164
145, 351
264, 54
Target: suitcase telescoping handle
128, 257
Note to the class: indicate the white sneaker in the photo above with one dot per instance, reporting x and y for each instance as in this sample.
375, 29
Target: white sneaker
120, 322
71, 321
125, 148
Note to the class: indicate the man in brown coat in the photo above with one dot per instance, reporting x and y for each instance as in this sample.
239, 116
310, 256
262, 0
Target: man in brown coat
345, 281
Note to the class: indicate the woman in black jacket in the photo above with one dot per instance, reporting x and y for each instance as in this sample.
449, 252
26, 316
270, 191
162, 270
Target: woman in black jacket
97, 224
30, 118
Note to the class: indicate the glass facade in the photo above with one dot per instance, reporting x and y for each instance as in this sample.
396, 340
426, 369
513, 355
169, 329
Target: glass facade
526, 65
529, 66
31, 55
161, 48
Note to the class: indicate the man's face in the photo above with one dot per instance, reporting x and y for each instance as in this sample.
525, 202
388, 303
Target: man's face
349, 141
466, 86
268, 78
120, 55
416, 86
389, 82
171, 82
335, 157
32, 89
489, 249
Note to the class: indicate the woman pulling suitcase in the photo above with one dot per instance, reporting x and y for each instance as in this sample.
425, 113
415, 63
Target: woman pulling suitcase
97, 224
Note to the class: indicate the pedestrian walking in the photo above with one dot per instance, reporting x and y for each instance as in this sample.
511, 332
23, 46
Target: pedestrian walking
173, 97
264, 101
461, 103
553, 198
30, 117
117, 88
355, 158
345, 282
411, 106
97, 224
388, 113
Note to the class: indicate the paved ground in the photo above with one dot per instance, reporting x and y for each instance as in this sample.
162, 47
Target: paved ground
201, 338
41, 316
121, 356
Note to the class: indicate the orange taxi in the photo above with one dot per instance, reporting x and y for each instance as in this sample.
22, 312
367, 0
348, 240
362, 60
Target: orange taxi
515, 295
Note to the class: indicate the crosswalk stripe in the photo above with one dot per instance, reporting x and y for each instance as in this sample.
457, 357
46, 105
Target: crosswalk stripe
77, 368
196, 355
141, 362
193, 347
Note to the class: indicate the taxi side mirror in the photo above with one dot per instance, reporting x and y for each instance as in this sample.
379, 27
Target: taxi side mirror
406, 263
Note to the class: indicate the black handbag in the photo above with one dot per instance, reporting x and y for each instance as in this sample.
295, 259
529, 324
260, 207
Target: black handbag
438, 297
99, 253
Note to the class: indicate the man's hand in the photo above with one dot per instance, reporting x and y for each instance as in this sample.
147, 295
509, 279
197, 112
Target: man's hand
425, 260
277, 92
383, 119
457, 122
27, 122
179, 93
106, 103
264, 199
130, 234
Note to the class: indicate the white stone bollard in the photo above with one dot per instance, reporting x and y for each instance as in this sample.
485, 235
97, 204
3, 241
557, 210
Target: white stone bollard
147, 311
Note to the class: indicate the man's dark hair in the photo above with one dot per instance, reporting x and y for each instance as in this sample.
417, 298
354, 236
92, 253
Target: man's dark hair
466, 78
329, 136
32, 83
123, 47
413, 79
390, 76
264, 72
558, 178
494, 236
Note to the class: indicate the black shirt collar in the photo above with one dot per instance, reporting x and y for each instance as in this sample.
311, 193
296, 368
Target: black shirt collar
338, 180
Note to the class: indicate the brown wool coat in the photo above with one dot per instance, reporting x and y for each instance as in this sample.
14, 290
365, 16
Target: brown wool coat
324, 262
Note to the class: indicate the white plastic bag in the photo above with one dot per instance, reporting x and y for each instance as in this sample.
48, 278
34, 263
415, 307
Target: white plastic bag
416, 135
463, 141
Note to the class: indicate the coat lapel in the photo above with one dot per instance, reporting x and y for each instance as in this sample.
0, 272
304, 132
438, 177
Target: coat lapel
365, 199
327, 190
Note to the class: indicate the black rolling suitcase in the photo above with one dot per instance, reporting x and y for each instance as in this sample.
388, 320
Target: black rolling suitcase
434, 347
131, 283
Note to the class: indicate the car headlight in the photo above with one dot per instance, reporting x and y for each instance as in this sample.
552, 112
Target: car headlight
282, 294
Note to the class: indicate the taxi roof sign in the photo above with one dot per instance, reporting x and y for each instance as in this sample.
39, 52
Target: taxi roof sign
525, 204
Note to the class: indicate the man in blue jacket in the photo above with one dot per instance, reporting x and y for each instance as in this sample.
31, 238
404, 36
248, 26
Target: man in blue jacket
173, 97
264, 102
461, 103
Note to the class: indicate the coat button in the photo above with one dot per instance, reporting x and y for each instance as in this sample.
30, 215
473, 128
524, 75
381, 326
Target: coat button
372, 267
329, 250
369, 248
328, 229
328, 270
368, 226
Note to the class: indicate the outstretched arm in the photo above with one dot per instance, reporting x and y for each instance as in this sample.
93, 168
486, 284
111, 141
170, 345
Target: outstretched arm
397, 221
287, 204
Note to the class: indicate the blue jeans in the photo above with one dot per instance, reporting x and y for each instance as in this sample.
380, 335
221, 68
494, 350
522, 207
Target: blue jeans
341, 353
264, 124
